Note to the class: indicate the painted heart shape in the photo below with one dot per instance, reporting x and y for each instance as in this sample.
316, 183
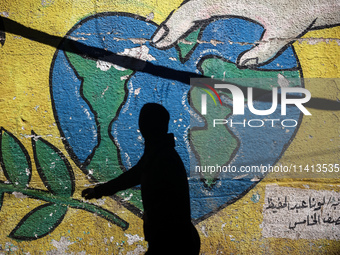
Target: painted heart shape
97, 101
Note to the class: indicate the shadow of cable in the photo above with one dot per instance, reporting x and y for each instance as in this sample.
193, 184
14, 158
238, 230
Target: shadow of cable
9, 26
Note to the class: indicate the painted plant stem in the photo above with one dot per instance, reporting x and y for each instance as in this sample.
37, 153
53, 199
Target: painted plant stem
70, 202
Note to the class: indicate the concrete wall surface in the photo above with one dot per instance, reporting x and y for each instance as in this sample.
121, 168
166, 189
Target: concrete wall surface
261, 150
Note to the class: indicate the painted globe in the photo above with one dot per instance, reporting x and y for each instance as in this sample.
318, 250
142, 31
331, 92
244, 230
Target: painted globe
105, 70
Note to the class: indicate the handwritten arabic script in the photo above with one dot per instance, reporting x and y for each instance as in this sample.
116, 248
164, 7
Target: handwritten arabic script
301, 213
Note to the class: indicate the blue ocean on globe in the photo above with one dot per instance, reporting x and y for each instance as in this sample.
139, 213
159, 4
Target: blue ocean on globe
263, 145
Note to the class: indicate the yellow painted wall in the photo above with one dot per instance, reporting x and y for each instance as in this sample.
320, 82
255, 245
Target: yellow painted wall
25, 105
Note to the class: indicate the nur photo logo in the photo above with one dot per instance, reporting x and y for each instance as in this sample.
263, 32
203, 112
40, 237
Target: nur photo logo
240, 122
239, 97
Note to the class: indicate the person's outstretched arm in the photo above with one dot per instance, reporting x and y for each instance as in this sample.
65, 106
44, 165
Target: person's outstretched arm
126, 180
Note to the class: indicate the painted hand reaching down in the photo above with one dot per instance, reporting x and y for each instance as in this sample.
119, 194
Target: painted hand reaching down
283, 21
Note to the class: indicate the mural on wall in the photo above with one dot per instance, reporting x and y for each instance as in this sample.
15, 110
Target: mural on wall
110, 64
104, 100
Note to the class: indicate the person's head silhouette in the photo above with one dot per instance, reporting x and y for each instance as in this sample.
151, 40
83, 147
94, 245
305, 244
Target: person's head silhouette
153, 121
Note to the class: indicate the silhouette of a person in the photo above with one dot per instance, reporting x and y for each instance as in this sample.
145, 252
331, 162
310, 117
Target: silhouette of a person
164, 186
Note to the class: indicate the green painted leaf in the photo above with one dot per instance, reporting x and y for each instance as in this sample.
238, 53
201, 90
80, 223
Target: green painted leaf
113, 218
39, 222
14, 159
53, 168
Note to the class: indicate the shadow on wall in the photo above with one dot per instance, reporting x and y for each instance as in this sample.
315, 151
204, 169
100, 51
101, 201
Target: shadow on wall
56, 193
88, 52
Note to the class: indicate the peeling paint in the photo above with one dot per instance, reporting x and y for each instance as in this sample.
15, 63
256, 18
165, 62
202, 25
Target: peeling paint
62, 246
255, 198
137, 91
19, 195
203, 229
133, 238
5, 14
139, 250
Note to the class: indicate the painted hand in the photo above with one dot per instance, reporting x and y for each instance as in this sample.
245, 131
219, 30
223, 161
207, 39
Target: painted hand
284, 21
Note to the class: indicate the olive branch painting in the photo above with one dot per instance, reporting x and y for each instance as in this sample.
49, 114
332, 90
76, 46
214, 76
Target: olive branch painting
57, 176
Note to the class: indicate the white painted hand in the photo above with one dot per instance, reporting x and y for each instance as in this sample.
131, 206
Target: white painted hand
284, 21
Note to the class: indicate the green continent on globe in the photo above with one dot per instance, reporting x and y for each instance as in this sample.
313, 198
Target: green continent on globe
223, 143
103, 87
